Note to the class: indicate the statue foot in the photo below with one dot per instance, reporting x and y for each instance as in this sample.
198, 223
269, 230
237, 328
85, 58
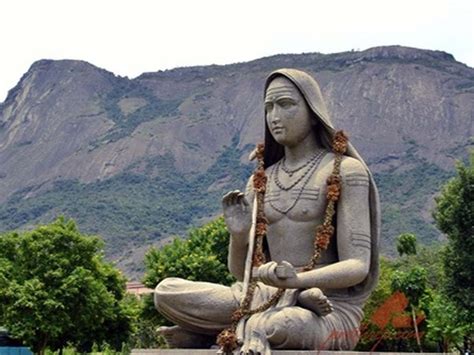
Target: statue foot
256, 345
177, 337
315, 300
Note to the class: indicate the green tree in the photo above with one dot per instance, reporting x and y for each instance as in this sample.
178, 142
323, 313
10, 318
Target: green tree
406, 244
146, 335
202, 256
444, 323
428, 258
413, 284
381, 293
56, 289
454, 216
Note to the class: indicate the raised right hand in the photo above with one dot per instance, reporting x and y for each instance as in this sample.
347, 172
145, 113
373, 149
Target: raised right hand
237, 213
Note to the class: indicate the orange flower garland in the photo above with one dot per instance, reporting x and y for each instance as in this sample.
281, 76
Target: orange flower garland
227, 340
260, 186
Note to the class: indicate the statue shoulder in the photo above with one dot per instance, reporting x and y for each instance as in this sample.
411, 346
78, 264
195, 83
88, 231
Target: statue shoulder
351, 166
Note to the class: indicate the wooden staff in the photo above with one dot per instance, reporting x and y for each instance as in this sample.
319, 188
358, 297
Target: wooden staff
248, 267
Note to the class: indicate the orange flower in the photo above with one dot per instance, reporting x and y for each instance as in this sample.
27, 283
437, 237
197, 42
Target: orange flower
334, 180
339, 142
334, 192
323, 236
261, 229
258, 259
259, 151
237, 315
261, 218
227, 340
260, 181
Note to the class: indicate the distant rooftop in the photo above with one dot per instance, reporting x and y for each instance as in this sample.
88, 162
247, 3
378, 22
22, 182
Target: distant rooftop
137, 288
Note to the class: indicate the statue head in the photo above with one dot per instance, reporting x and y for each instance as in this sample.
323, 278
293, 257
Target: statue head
305, 92
287, 114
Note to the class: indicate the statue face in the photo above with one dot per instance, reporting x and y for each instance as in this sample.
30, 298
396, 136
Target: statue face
287, 113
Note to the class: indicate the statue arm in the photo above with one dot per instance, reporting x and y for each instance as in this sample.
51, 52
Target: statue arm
239, 235
237, 254
353, 233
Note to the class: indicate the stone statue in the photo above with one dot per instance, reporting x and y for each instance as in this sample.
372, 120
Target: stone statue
318, 308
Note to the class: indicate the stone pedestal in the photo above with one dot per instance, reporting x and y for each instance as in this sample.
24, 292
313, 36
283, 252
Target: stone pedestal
275, 352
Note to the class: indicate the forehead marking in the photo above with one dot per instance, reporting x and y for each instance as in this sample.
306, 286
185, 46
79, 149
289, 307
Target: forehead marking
281, 90
273, 93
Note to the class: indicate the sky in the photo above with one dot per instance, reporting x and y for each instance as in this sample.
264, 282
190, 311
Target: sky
131, 37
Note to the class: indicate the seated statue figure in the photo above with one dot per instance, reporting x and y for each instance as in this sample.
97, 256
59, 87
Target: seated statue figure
319, 308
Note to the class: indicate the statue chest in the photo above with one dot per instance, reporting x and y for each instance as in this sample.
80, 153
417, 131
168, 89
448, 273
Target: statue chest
296, 205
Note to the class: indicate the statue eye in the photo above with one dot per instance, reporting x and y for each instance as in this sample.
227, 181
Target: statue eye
286, 103
268, 106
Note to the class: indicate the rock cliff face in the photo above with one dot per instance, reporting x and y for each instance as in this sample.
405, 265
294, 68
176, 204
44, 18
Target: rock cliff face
77, 140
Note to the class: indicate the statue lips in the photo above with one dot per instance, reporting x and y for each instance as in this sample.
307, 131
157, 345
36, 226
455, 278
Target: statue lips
277, 129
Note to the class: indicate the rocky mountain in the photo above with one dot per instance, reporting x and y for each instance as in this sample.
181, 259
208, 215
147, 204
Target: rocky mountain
138, 160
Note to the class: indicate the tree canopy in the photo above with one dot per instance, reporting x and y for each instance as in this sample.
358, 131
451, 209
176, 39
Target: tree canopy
454, 215
56, 289
406, 244
200, 257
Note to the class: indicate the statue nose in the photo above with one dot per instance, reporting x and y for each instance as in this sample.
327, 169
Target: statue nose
274, 116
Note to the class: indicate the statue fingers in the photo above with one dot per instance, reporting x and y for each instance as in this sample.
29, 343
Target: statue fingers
242, 202
323, 299
230, 198
267, 350
258, 344
328, 310
325, 310
240, 199
267, 273
244, 350
285, 270
324, 306
234, 197
226, 199
262, 273
322, 302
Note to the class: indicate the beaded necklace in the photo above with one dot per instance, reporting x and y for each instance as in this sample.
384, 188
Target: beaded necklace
290, 172
308, 174
311, 164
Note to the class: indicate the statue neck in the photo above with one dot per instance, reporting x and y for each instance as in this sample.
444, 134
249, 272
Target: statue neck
302, 151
